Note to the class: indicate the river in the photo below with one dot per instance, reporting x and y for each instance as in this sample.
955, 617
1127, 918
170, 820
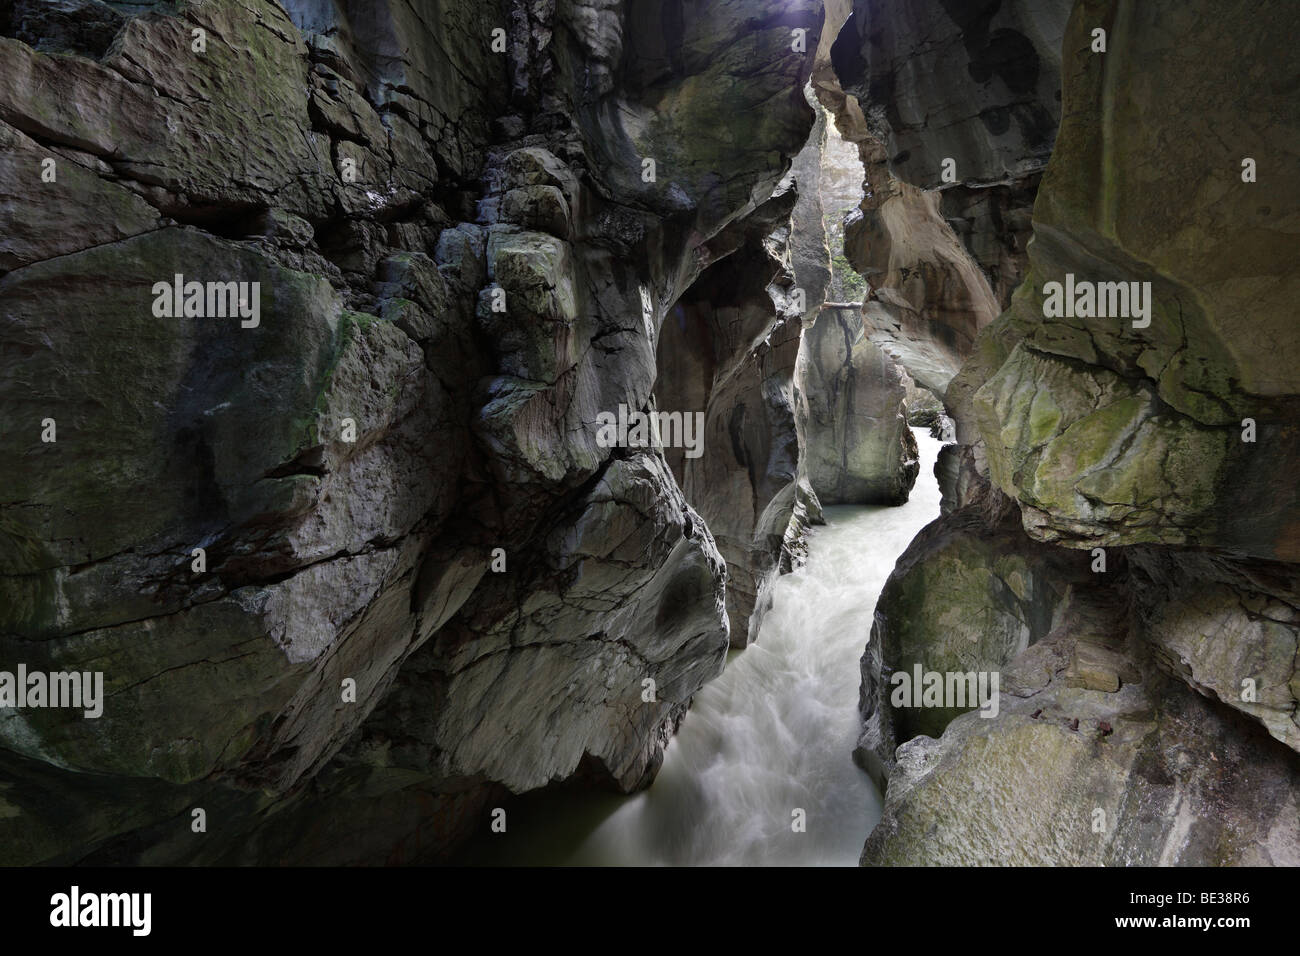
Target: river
773, 735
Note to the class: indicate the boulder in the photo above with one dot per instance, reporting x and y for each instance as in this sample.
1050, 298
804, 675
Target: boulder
851, 414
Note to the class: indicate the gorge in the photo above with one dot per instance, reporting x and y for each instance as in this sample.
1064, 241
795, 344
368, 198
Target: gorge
551, 471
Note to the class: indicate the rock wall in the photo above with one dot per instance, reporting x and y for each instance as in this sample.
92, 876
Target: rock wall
357, 567
314, 312
1143, 456
954, 108
927, 297
726, 355
851, 415
1144, 774
963, 98
978, 83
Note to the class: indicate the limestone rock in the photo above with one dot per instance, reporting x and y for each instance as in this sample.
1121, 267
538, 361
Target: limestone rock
928, 298
955, 112
1150, 775
350, 677
619, 600
1094, 459
975, 83
850, 411
1228, 628
727, 355
1219, 345
995, 225
964, 598
91, 209
63, 26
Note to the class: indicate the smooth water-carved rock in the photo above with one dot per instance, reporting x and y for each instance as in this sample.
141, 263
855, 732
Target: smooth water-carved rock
416, 556
851, 414
1091, 446
1155, 723
975, 83
995, 225
1145, 772
928, 299
964, 99
1227, 627
726, 356
952, 159
967, 597
1219, 345
618, 600
727, 353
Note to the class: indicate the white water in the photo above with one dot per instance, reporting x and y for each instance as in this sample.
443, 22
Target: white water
773, 733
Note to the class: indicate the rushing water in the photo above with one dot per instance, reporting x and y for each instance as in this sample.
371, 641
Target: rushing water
774, 733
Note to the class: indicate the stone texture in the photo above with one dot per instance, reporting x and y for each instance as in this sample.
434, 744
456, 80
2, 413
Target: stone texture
727, 353
92, 210
928, 299
978, 83
1155, 724
841, 195
995, 225
383, 174
964, 597
62, 26
913, 85
1219, 345
851, 414
1228, 628
529, 693
1149, 774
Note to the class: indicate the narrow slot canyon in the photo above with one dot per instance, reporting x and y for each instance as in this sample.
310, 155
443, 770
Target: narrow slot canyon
649, 433
771, 738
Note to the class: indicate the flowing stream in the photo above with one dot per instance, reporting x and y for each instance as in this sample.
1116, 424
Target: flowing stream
773, 734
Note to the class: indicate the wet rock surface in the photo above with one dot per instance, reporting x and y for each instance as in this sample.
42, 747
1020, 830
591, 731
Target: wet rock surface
1154, 722
312, 313
423, 582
